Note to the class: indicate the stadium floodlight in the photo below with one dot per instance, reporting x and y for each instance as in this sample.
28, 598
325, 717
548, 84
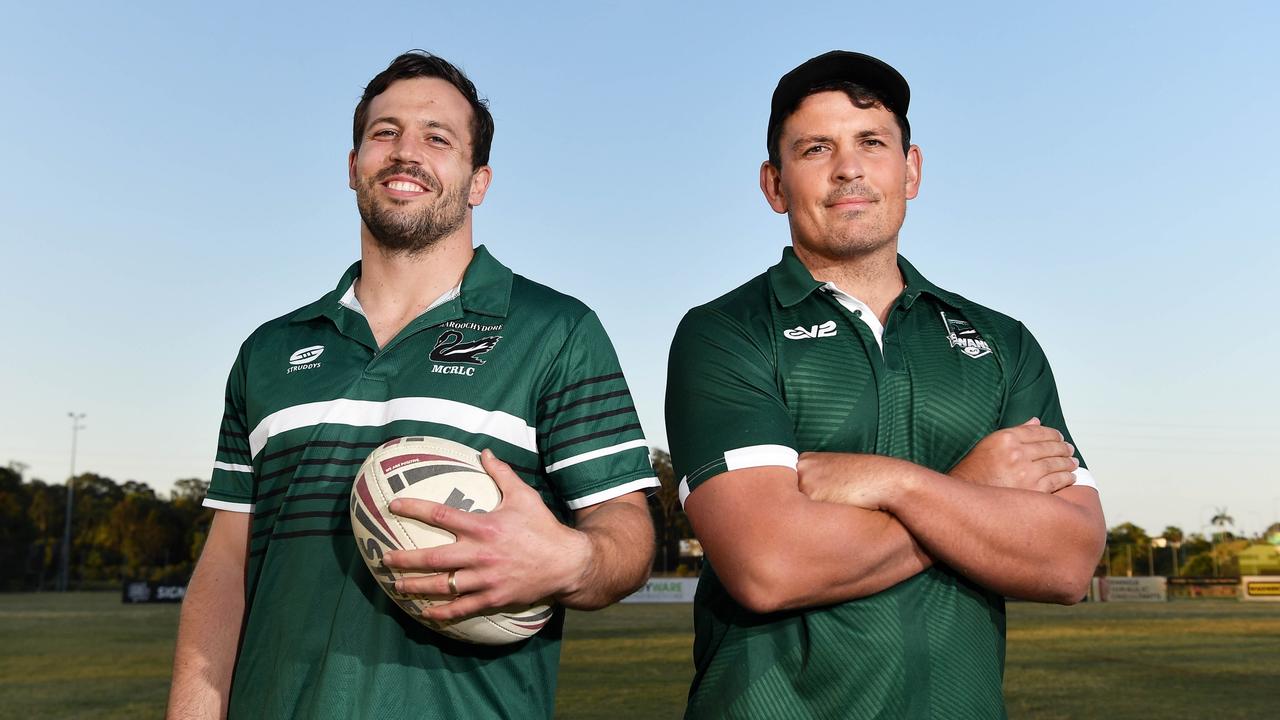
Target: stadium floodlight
65, 580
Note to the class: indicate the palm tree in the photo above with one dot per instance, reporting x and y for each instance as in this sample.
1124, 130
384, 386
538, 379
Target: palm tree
1220, 520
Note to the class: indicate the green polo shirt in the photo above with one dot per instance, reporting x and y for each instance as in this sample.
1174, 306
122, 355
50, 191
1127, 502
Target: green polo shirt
508, 364
778, 367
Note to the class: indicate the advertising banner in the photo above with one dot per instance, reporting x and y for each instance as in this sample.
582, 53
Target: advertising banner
665, 590
1260, 588
1133, 589
141, 591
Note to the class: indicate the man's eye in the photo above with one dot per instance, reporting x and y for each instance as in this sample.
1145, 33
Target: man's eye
385, 133
437, 140
815, 149
872, 142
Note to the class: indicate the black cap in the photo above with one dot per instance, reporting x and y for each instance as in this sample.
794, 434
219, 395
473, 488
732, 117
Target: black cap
837, 65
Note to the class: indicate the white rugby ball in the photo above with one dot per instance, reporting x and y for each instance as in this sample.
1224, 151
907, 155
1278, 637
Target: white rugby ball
445, 472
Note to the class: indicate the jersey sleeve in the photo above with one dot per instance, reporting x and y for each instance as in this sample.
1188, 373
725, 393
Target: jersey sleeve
589, 435
724, 407
1033, 393
231, 485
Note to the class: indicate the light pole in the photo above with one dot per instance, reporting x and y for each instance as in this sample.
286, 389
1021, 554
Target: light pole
76, 427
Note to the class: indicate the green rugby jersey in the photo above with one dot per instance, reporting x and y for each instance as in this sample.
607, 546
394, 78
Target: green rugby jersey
508, 364
780, 366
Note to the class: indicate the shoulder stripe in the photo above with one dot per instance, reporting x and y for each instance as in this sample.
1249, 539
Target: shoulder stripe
589, 418
602, 452
232, 467
232, 506
365, 413
580, 383
593, 398
592, 436
610, 493
683, 491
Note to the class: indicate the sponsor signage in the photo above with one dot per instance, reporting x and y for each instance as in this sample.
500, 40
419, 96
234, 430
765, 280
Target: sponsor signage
141, 591
1260, 588
665, 590
1133, 589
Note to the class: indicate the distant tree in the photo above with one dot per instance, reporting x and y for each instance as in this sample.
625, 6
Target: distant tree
1221, 519
16, 529
669, 521
1127, 550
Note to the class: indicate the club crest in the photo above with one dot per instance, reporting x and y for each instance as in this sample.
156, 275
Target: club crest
451, 349
964, 336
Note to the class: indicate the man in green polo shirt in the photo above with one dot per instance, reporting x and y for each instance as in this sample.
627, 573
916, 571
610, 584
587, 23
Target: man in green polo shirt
426, 335
872, 463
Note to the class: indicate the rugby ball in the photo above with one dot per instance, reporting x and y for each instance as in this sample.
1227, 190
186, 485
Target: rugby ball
445, 472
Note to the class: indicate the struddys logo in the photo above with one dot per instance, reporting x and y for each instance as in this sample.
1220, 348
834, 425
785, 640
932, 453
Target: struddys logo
455, 356
305, 359
964, 336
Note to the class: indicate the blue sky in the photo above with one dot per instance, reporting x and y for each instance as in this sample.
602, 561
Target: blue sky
1105, 173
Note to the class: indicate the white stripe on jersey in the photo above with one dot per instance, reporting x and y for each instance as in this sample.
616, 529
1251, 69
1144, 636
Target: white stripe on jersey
610, 493
367, 413
749, 457
224, 505
1085, 478
760, 456
592, 455
232, 467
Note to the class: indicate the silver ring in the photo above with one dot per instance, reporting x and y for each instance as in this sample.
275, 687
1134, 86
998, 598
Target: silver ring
453, 583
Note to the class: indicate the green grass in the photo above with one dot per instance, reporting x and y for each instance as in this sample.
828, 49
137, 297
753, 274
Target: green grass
85, 655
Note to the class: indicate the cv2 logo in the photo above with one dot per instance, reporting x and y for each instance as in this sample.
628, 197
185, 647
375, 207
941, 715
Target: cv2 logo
462, 357
305, 358
826, 329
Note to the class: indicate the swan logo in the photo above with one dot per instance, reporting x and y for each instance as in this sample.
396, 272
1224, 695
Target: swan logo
305, 358
964, 336
460, 357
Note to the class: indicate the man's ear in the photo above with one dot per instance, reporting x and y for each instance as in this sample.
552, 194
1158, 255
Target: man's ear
771, 186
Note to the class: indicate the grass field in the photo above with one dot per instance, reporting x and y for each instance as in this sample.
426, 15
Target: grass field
85, 655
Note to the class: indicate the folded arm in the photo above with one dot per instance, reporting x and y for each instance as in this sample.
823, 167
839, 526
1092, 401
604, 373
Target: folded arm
775, 549
1007, 516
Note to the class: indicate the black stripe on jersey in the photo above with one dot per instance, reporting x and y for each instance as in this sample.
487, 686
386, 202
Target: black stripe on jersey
235, 451
235, 434
581, 383
298, 481
299, 533
322, 444
311, 461
298, 498
521, 468
312, 514
593, 398
589, 418
593, 436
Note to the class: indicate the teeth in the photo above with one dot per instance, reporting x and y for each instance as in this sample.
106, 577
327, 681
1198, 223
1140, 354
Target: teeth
404, 186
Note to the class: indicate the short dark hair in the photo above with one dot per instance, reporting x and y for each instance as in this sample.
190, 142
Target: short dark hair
860, 95
420, 63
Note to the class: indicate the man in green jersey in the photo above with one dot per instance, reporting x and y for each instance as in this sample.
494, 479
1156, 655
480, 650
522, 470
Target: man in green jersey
872, 463
426, 335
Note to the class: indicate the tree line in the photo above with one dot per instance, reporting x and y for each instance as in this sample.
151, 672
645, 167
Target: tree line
128, 531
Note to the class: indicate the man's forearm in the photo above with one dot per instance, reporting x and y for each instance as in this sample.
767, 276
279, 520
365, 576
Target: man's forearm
209, 629
1020, 543
618, 545
776, 549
